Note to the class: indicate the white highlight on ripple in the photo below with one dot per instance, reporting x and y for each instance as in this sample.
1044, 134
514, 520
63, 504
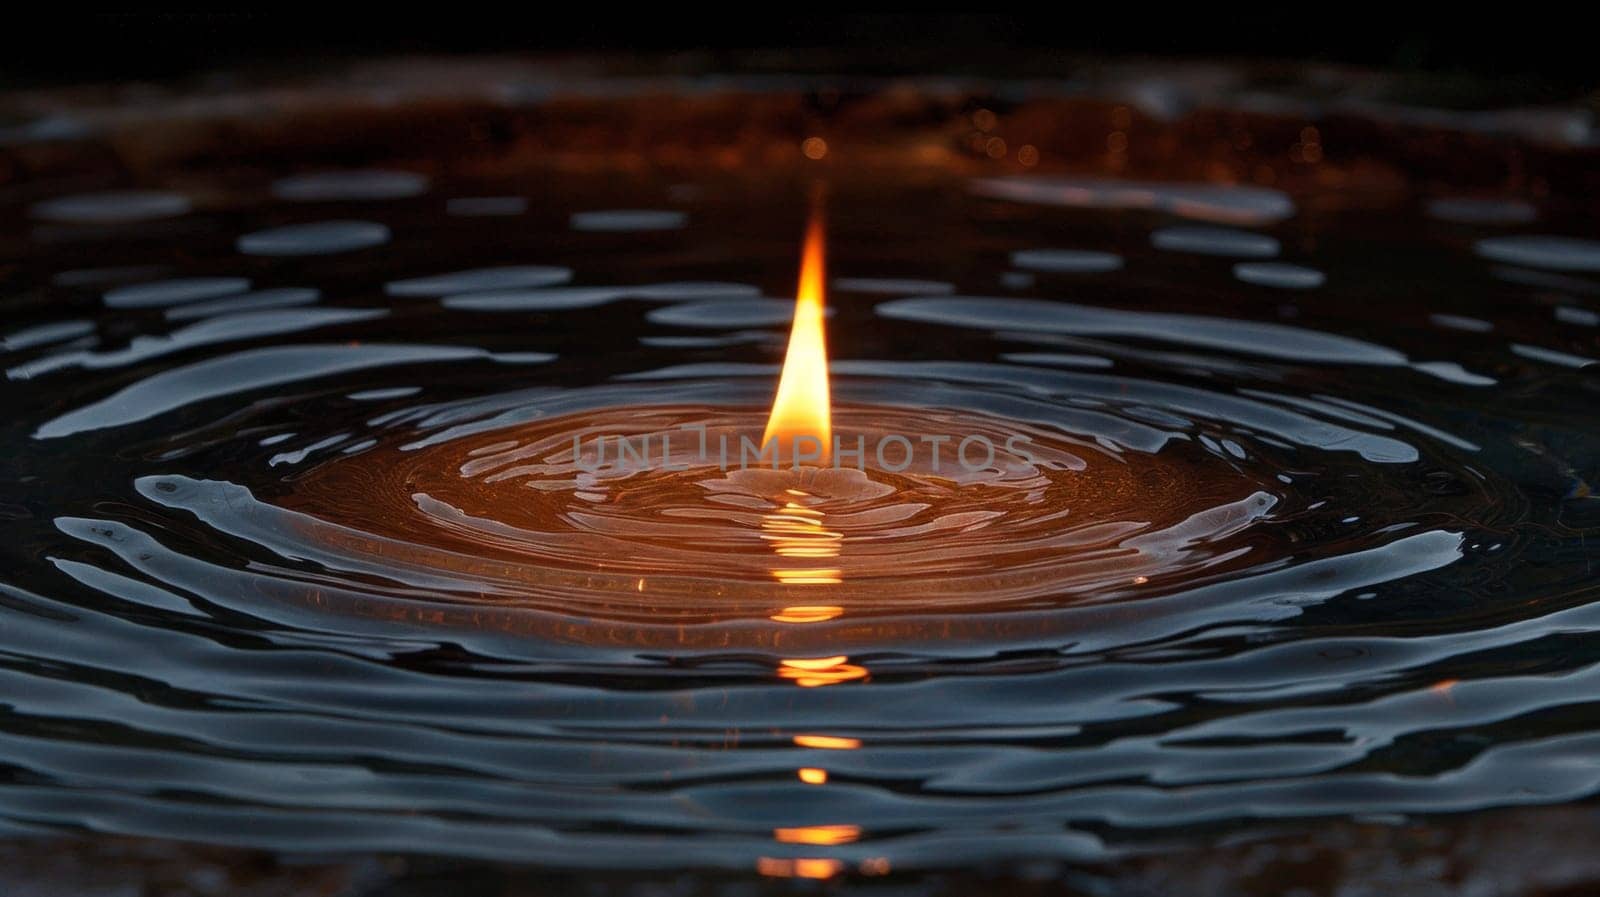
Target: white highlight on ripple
1468, 210
368, 184
485, 206
1228, 203
1543, 251
1582, 317
736, 313
94, 277
284, 297
892, 286
1545, 280
1279, 274
563, 298
1168, 401
382, 394
320, 238
112, 207
45, 334
1450, 372
708, 342
1551, 356
242, 372
629, 220
481, 279
174, 292
676, 291
1066, 261
1459, 322
1214, 241
1280, 341
1059, 359
297, 455
227, 328
558, 299
1400, 420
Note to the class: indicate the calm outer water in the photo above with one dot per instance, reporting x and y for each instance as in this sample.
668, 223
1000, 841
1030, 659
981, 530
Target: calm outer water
294, 557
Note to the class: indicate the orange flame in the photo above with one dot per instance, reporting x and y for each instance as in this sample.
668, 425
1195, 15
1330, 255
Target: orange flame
802, 409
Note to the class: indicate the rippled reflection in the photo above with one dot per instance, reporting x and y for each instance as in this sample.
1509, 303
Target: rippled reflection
797, 533
311, 544
544, 516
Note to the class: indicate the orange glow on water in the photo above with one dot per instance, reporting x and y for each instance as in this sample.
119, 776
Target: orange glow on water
802, 409
797, 534
825, 835
807, 613
827, 742
803, 867
811, 775
813, 672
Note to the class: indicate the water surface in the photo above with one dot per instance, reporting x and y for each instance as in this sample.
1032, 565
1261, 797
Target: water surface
298, 554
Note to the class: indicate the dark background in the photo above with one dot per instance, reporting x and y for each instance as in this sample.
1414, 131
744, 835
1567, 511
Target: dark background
1528, 44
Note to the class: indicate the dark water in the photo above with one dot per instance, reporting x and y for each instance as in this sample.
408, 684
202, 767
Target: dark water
294, 559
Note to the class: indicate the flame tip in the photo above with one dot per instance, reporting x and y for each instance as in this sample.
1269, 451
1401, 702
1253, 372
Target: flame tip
802, 408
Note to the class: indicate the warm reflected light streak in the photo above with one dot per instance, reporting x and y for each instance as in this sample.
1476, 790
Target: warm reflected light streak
804, 867
828, 742
811, 775
797, 532
826, 835
808, 577
808, 613
802, 408
814, 672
